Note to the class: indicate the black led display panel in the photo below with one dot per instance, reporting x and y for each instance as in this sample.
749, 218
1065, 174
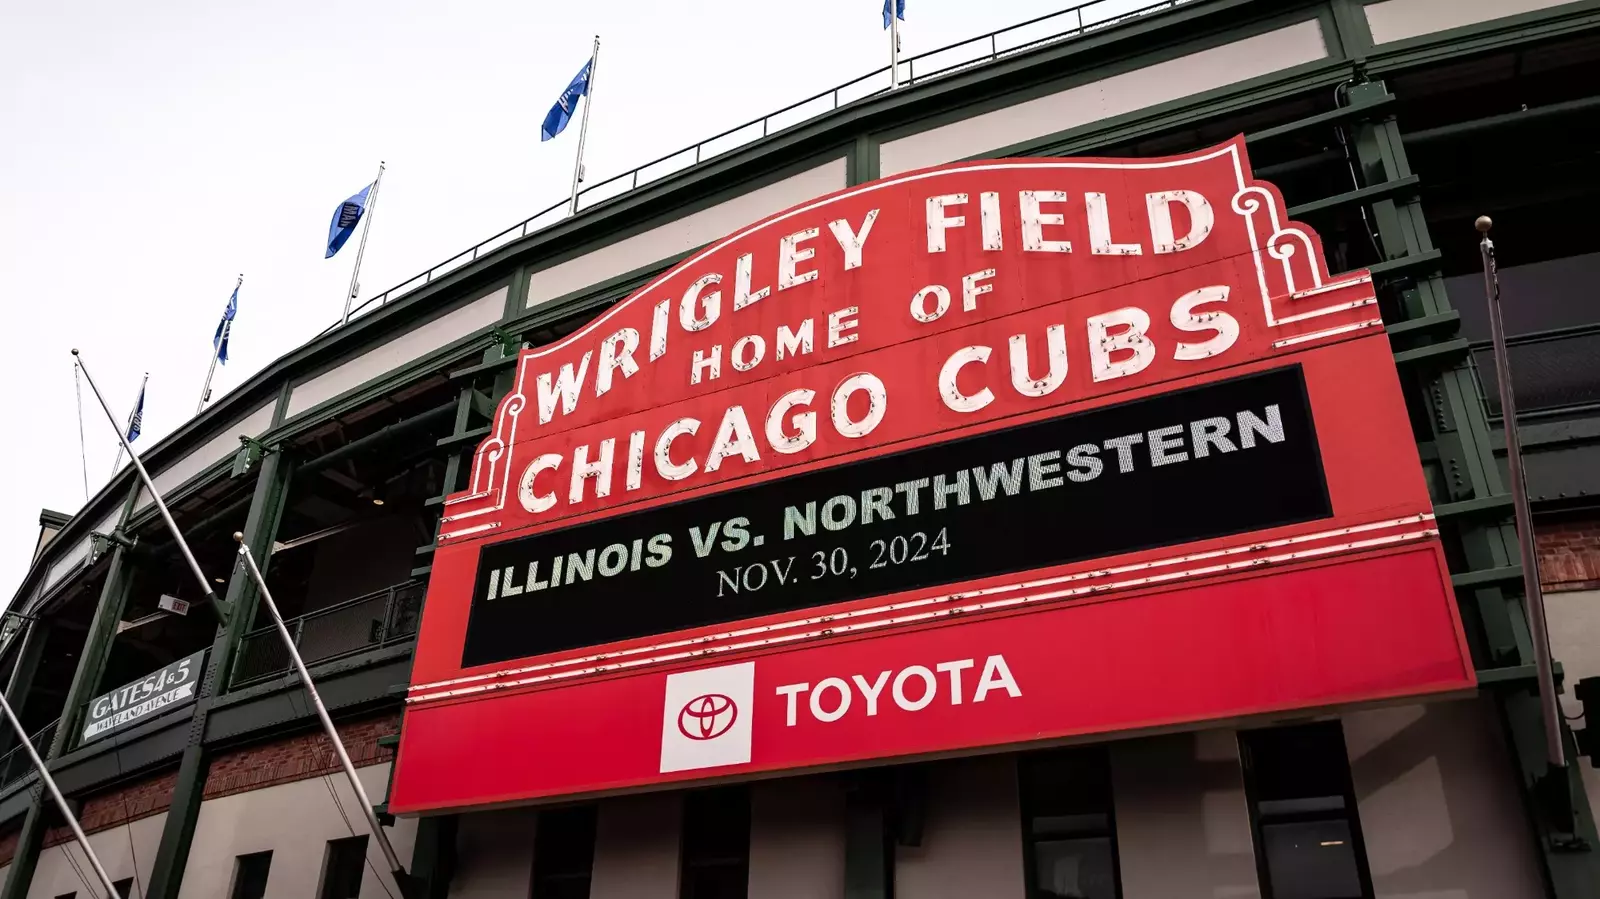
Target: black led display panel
1224, 458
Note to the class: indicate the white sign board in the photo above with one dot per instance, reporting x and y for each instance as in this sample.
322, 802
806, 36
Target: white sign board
158, 691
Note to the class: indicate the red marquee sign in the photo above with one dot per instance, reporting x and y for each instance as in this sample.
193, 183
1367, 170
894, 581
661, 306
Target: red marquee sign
989, 454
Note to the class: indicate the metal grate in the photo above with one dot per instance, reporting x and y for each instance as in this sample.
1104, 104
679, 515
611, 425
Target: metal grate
1072, 22
1553, 370
15, 764
378, 619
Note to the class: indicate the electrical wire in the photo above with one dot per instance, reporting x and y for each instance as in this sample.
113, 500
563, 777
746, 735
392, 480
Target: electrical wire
66, 851
333, 794
127, 825
1340, 90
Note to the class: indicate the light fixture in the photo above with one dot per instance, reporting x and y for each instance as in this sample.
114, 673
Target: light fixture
377, 500
1333, 842
219, 580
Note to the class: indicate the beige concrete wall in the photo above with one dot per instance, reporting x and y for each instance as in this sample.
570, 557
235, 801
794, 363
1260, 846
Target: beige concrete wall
407, 347
797, 839
1183, 823
1139, 89
1396, 20
684, 234
494, 854
1438, 803
118, 849
221, 446
972, 838
295, 821
636, 847
1575, 643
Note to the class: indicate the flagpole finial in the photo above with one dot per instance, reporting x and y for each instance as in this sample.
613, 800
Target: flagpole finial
74, 351
1483, 224
238, 536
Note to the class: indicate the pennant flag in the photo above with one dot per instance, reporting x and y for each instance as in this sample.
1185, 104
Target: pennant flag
225, 327
899, 8
137, 421
560, 114
345, 219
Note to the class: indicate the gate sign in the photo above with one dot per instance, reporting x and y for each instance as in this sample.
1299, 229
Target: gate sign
978, 456
172, 686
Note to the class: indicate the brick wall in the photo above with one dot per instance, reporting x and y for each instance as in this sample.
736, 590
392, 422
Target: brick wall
1569, 553
233, 771
298, 757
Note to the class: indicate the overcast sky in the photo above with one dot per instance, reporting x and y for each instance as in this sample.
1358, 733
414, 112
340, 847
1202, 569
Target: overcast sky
151, 152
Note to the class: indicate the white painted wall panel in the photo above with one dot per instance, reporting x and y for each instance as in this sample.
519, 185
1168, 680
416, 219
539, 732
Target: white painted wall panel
1117, 95
419, 341
117, 848
1397, 20
295, 821
797, 836
1183, 823
681, 236
636, 847
972, 837
219, 447
65, 564
1575, 643
494, 854
1438, 802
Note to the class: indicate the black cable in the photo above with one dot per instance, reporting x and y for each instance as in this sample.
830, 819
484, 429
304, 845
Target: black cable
338, 804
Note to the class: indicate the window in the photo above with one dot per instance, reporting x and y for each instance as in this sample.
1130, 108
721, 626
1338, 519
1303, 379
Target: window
1069, 834
124, 887
1302, 807
563, 853
250, 875
716, 844
341, 879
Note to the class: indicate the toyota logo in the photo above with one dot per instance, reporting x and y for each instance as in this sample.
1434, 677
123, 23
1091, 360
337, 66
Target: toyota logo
707, 717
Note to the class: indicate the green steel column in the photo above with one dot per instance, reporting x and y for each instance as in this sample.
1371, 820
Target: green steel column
1459, 426
34, 635
91, 663
96, 650
31, 837
260, 528
868, 849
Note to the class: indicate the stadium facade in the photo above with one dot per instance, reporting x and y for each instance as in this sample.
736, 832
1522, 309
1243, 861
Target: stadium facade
1077, 472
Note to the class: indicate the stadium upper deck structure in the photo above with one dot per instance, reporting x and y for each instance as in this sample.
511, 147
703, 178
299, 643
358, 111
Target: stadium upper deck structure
1387, 126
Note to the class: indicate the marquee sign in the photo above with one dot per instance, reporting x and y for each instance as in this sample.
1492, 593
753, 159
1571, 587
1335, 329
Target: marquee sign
982, 455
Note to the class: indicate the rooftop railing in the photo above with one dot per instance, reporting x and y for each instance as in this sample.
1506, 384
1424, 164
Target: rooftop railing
15, 764
382, 618
1072, 22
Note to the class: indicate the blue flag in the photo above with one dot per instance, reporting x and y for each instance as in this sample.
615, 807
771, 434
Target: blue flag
560, 114
137, 420
899, 8
345, 219
225, 327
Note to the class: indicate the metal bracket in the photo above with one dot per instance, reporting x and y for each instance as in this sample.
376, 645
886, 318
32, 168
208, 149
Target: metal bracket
250, 452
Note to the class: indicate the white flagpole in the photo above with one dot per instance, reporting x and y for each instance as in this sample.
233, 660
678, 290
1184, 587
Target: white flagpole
402, 879
583, 126
155, 495
1533, 593
55, 794
894, 44
216, 351
361, 248
135, 411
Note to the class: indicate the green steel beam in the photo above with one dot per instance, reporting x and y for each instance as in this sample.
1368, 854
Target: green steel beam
1473, 515
261, 527
25, 858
